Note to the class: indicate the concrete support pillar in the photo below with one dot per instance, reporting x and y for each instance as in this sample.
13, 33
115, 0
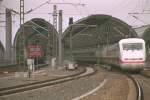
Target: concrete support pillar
60, 39
1, 1
8, 35
14, 54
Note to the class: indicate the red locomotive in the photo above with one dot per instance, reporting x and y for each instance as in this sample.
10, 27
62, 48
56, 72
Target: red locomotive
35, 51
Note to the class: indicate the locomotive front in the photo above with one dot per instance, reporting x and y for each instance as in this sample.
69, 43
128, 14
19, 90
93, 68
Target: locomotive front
132, 54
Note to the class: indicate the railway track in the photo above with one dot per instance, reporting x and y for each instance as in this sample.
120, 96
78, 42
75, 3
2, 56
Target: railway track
139, 90
145, 85
138, 85
15, 67
27, 87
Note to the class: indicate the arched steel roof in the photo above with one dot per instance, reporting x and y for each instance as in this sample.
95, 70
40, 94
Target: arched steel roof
36, 31
140, 30
146, 35
97, 28
36, 26
2, 50
1, 46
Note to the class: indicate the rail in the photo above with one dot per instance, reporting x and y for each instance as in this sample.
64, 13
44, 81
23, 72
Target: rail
138, 88
40, 84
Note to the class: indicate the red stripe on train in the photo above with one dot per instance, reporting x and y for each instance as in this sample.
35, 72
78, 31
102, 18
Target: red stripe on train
132, 61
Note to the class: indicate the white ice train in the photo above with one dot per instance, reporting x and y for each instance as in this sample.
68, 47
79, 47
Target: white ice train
128, 54
132, 53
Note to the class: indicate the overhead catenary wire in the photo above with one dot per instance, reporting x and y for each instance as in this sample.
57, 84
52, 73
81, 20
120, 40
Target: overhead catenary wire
142, 4
39, 6
47, 2
75, 5
45, 13
123, 3
86, 10
140, 9
39, 26
54, 3
146, 2
39, 32
139, 19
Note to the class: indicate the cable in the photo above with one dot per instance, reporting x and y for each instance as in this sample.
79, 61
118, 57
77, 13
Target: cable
76, 6
117, 6
142, 4
146, 6
4, 6
139, 19
86, 10
77, 9
52, 13
124, 5
47, 2
137, 6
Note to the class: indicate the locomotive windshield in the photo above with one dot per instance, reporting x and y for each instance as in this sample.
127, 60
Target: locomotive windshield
35, 49
132, 46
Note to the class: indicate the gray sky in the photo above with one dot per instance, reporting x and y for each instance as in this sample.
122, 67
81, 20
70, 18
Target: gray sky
115, 8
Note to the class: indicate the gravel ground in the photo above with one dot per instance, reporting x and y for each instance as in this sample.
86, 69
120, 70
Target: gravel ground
3, 74
146, 72
145, 85
13, 81
116, 88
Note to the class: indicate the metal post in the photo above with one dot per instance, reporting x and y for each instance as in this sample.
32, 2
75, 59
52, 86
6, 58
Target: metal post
1, 1
55, 16
37, 63
54, 38
22, 54
59, 39
70, 23
71, 58
21, 12
8, 34
98, 47
107, 38
48, 47
37, 56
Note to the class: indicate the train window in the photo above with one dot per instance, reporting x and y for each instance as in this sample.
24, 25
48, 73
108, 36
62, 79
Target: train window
132, 46
34, 49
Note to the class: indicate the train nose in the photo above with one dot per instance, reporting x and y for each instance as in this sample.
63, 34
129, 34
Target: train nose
132, 67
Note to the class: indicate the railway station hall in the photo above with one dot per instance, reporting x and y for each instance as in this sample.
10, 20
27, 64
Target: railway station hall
39, 35
74, 50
